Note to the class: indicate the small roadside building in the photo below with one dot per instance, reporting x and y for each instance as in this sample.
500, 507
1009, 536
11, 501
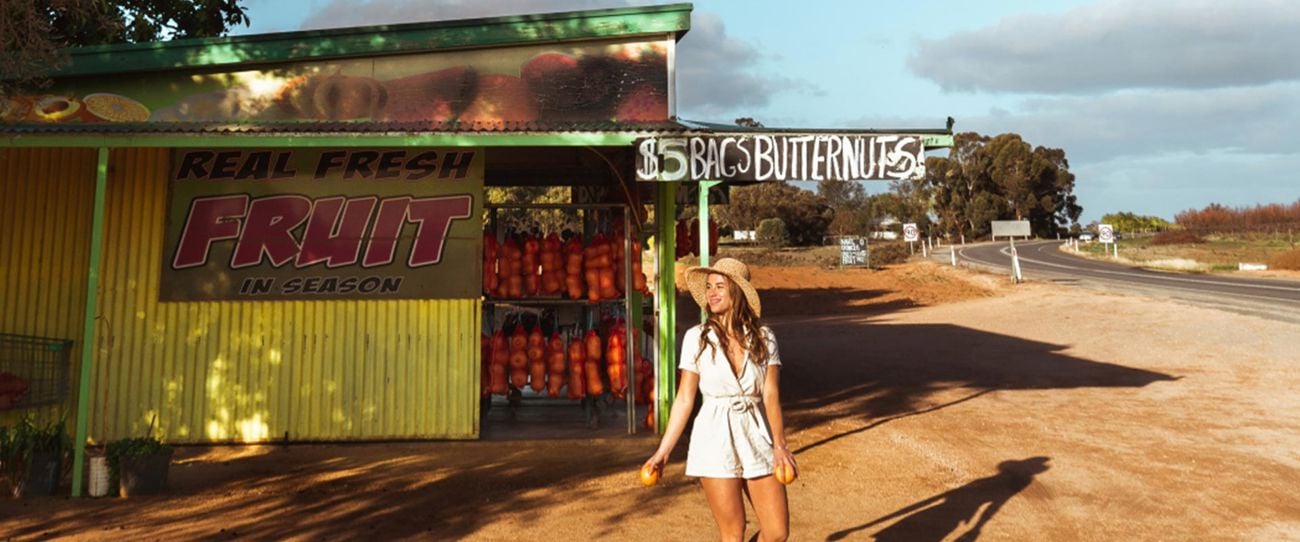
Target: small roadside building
286, 237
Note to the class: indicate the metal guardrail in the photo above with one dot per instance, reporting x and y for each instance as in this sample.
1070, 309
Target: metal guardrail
33, 371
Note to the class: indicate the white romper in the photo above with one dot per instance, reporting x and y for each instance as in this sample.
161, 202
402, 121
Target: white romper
731, 438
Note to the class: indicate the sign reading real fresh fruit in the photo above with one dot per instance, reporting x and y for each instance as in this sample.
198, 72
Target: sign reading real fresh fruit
596, 81
247, 224
780, 157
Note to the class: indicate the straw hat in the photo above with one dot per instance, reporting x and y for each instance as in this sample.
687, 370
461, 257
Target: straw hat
733, 269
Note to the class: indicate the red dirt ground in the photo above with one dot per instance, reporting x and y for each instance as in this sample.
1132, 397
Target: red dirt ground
923, 403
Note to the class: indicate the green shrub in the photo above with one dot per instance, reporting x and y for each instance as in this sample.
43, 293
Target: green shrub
1176, 237
772, 232
19, 443
881, 254
120, 449
1286, 260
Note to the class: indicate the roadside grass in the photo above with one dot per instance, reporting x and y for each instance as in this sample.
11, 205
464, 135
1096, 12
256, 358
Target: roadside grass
881, 253
1217, 253
782, 257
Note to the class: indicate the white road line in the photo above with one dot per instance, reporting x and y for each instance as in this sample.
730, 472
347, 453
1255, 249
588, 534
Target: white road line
1161, 276
1134, 284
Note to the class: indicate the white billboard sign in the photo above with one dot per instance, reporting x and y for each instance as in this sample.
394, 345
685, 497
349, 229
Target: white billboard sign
1010, 228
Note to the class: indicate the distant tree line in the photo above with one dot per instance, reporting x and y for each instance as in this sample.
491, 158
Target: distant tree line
999, 178
1216, 218
1134, 223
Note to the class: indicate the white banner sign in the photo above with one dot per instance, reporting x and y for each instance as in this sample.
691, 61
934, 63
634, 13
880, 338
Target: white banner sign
780, 157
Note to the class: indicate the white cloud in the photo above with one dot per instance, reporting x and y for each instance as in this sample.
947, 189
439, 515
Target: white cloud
1241, 120
1117, 44
718, 74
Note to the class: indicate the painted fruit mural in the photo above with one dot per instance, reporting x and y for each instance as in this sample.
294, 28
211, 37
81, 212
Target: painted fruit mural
602, 82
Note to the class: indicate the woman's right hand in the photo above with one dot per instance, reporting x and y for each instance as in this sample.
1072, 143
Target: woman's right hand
657, 461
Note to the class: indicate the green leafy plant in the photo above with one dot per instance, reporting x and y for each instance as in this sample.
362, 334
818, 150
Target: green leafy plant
882, 254
28, 437
127, 448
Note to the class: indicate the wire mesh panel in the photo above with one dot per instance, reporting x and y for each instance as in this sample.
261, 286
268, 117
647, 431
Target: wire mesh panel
33, 371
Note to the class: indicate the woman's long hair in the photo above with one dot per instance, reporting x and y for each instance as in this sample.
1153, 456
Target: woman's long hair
744, 324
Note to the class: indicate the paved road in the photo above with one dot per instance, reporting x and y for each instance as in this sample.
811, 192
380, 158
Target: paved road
1043, 260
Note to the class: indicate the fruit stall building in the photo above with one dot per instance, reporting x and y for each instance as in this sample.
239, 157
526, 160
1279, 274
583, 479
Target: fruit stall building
282, 236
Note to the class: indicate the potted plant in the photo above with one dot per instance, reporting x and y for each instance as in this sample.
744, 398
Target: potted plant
139, 464
31, 456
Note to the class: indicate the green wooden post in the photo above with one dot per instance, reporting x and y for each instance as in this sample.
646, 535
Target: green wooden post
88, 326
666, 299
705, 186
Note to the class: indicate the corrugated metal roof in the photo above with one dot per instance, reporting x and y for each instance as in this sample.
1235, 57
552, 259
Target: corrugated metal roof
681, 126
294, 128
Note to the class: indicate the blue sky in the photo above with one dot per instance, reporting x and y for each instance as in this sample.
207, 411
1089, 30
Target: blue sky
1160, 105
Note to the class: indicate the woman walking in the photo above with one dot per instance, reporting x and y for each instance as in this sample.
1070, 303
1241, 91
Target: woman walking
738, 440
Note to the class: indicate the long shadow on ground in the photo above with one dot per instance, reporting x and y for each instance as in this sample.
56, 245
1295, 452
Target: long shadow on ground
939, 516
841, 363
854, 367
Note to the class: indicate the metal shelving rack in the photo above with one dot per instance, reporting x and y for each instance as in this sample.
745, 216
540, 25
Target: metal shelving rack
631, 300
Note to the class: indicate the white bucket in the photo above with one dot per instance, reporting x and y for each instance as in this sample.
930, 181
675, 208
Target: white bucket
98, 476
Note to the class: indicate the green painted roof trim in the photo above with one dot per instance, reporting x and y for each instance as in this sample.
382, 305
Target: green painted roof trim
577, 139
208, 53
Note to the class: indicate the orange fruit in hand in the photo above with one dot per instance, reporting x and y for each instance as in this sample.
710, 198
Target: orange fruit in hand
785, 473
649, 476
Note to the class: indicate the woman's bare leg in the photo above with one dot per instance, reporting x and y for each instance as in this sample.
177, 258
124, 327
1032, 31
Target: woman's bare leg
768, 498
724, 496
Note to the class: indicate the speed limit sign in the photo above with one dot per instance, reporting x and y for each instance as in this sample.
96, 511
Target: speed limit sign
1106, 233
910, 233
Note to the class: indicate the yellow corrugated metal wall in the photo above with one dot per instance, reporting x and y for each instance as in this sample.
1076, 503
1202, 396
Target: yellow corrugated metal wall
46, 196
239, 371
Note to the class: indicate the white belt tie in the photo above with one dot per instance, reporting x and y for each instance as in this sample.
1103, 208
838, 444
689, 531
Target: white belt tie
739, 404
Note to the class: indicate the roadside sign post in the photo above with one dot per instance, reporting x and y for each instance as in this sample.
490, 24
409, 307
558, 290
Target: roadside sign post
1016, 277
853, 251
911, 234
1106, 234
952, 251
1011, 229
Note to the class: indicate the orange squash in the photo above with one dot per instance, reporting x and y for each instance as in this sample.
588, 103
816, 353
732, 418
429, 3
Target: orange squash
649, 475
645, 381
573, 284
785, 473
577, 370
555, 365
500, 359
537, 359
552, 261
595, 385
532, 280
616, 360
518, 358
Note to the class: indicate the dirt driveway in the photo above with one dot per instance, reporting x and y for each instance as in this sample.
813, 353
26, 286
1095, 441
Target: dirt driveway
924, 404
